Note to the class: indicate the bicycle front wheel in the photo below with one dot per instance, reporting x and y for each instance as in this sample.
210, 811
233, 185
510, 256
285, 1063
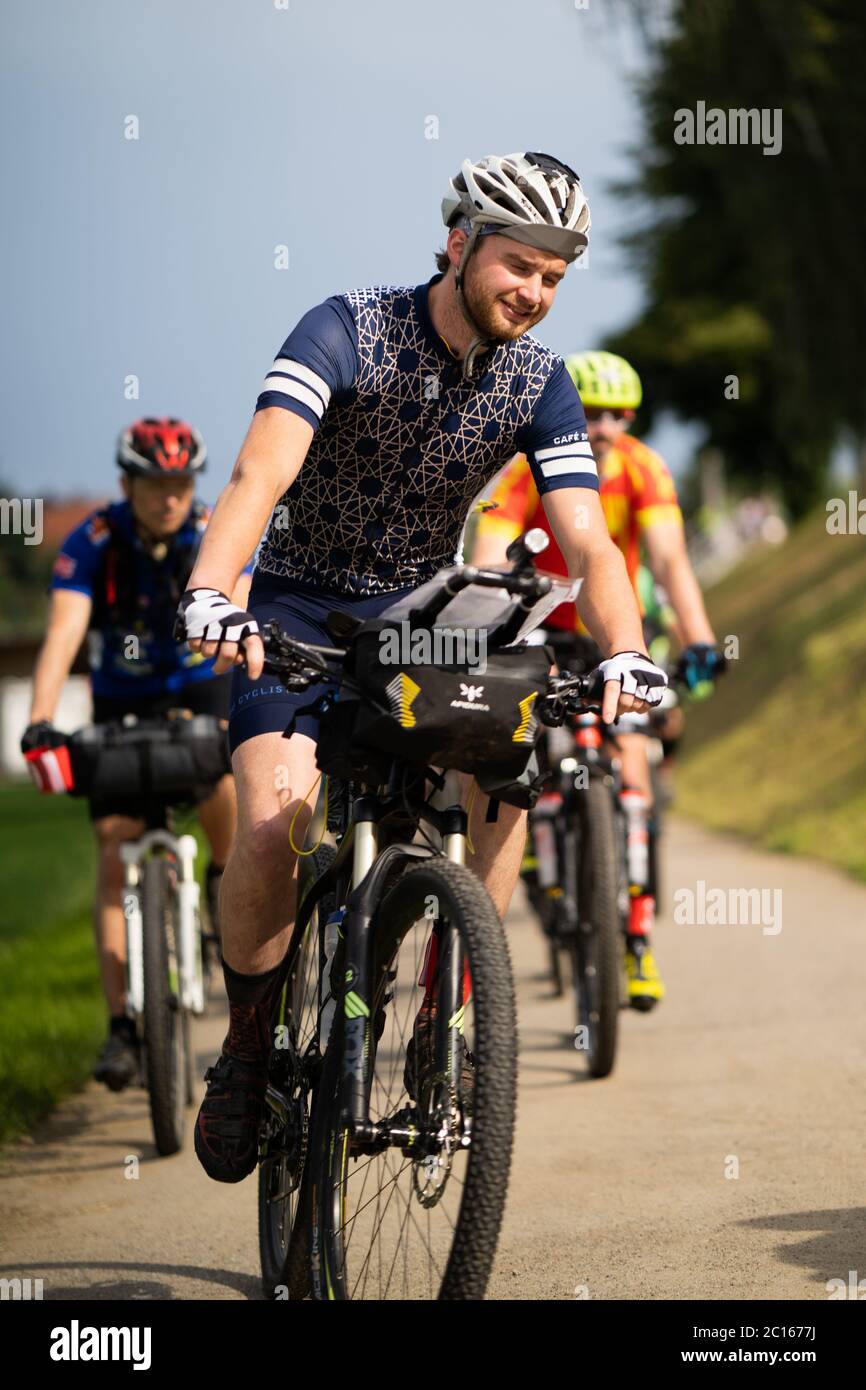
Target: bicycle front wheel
163, 1018
597, 945
284, 1237
415, 1212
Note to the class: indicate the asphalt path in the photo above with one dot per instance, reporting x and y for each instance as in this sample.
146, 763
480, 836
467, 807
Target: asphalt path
723, 1158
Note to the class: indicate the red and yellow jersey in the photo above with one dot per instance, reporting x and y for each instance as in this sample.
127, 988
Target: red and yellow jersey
637, 491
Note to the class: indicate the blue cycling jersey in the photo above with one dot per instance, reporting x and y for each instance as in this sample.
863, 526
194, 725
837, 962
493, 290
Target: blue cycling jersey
135, 654
403, 443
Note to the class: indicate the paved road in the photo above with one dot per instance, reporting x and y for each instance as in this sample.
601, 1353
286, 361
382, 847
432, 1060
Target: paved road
754, 1064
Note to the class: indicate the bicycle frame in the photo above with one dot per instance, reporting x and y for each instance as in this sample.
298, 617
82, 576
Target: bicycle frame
364, 864
370, 867
183, 850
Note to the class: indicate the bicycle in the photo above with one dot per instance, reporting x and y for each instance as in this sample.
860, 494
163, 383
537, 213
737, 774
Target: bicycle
579, 882
579, 887
168, 762
386, 1147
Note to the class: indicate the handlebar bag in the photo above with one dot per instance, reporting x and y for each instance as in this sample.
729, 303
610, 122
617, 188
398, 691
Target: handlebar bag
102, 764
193, 758
180, 759
460, 716
339, 751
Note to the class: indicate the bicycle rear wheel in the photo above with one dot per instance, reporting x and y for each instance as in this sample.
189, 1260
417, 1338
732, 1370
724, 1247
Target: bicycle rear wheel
163, 1017
419, 1217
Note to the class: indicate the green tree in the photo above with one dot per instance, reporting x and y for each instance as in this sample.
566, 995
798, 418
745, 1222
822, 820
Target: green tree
25, 573
753, 263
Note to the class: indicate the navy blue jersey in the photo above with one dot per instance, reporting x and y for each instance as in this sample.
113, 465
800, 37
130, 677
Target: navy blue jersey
402, 443
134, 653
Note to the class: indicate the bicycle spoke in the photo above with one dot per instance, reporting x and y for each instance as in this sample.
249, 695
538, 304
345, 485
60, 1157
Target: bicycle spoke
393, 1230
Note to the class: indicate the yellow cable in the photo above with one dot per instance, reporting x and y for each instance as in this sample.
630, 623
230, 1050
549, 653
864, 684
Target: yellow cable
472, 792
312, 850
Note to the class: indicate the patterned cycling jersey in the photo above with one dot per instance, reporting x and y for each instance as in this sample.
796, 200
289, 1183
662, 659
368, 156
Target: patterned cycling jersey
403, 444
132, 652
636, 489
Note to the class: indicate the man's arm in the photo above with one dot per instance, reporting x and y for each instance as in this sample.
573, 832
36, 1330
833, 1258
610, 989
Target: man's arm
269, 461
490, 545
607, 603
68, 617
669, 561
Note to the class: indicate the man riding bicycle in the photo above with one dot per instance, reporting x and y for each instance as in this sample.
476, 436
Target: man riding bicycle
640, 504
118, 578
385, 413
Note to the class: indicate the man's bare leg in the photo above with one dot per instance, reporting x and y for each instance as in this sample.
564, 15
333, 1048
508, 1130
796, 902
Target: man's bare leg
498, 846
277, 780
118, 1062
218, 817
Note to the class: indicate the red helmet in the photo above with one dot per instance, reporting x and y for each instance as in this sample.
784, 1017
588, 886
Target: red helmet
155, 448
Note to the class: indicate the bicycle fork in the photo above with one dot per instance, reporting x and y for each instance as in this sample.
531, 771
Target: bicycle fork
190, 978
369, 871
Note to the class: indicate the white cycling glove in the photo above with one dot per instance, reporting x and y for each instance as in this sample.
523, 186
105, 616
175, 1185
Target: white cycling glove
209, 615
637, 675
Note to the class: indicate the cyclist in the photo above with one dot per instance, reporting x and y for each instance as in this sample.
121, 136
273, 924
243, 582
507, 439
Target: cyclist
118, 578
382, 417
640, 505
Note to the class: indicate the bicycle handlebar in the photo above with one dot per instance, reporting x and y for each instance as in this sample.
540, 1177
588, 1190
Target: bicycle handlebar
529, 586
301, 664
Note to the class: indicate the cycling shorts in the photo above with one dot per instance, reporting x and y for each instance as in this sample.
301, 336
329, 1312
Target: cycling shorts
265, 706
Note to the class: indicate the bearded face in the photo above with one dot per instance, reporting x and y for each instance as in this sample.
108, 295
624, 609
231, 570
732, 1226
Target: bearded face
509, 287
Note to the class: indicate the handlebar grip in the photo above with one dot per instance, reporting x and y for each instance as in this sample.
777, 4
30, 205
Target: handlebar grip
594, 687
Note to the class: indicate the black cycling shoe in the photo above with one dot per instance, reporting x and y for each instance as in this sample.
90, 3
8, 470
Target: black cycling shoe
118, 1065
419, 1074
227, 1126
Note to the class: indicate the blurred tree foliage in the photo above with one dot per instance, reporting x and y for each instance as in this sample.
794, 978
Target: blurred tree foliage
25, 573
754, 264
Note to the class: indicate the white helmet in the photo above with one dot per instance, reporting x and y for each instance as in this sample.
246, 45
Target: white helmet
529, 197
532, 197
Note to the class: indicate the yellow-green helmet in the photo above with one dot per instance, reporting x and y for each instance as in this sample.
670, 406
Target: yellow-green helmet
605, 381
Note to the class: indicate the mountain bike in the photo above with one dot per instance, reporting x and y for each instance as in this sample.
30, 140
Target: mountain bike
579, 887
386, 1147
578, 882
168, 763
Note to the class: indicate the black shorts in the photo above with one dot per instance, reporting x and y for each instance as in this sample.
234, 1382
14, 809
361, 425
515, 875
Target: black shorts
203, 697
265, 706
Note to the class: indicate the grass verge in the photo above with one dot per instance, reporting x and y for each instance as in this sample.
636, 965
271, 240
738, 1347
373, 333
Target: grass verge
779, 753
52, 1018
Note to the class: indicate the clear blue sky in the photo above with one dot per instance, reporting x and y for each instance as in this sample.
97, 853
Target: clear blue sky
262, 126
